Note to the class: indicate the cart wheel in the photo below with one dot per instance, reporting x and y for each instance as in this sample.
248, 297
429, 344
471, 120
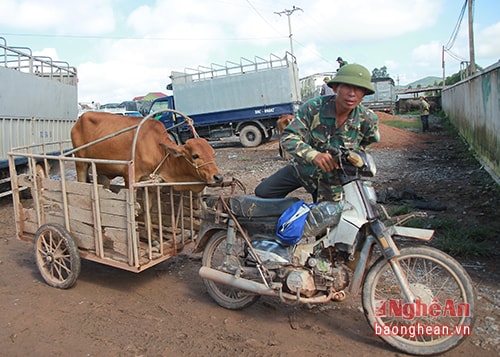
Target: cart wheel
56, 256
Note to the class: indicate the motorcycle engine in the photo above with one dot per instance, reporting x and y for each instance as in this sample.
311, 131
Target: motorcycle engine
322, 275
301, 280
329, 269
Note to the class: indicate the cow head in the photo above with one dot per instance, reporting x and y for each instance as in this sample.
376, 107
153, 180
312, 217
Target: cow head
192, 162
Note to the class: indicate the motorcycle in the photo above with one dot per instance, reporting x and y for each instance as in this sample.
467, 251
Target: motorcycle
416, 298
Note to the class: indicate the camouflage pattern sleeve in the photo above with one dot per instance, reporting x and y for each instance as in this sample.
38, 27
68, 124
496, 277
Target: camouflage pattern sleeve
297, 134
369, 128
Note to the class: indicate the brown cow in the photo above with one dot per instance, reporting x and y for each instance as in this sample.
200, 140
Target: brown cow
191, 162
282, 123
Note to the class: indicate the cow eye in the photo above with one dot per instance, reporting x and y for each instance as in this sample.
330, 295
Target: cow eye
195, 156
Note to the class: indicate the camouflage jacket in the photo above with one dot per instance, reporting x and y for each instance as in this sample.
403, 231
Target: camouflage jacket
313, 130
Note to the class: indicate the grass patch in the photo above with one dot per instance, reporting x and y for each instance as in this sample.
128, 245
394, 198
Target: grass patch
458, 239
404, 124
455, 238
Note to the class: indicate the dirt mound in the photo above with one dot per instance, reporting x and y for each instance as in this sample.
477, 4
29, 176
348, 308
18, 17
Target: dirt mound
394, 138
387, 117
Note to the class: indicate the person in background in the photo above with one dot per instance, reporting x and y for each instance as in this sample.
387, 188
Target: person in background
323, 123
325, 88
424, 114
341, 62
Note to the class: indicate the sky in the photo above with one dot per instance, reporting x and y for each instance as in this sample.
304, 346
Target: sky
126, 48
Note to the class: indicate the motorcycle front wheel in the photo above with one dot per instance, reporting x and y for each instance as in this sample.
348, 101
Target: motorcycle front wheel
441, 316
215, 257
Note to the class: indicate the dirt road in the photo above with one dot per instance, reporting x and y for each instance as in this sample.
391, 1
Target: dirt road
165, 311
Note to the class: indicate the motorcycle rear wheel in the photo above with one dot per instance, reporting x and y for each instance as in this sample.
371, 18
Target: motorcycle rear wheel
214, 255
444, 315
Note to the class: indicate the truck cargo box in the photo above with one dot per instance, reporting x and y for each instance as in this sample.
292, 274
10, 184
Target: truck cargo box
235, 86
384, 98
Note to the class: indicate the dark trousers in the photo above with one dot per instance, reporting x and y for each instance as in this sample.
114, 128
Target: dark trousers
279, 184
425, 122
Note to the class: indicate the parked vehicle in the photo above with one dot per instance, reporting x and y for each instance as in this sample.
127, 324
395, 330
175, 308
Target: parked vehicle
384, 98
120, 111
38, 103
110, 106
406, 292
310, 86
243, 99
131, 113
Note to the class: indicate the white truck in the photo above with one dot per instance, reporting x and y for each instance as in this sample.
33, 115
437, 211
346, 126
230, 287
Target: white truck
310, 86
384, 98
242, 98
38, 103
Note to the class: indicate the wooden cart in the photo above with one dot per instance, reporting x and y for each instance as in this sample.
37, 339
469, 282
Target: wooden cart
131, 229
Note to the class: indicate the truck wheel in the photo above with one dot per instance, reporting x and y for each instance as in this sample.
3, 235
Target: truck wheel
250, 136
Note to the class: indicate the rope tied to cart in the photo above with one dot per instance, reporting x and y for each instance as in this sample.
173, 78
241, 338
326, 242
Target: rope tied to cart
190, 124
154, 174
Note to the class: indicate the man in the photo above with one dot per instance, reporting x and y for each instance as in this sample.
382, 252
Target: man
341, 62
321, 123
424, 114
325, 88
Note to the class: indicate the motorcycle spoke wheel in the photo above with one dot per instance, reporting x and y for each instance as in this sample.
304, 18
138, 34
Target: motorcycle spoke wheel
214, 256
444, 314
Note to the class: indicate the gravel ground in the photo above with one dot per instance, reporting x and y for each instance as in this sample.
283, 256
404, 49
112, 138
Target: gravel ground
165, 311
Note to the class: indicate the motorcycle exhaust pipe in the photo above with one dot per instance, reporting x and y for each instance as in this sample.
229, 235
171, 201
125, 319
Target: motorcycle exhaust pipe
258, 288
231, 280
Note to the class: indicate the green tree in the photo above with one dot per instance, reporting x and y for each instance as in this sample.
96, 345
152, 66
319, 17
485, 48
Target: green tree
457, 77
380, 73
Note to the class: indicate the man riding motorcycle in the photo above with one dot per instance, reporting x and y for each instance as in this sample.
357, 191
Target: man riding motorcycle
321, 126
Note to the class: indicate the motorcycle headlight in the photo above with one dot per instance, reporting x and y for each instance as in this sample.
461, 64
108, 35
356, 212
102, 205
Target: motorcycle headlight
370, 164
370, 192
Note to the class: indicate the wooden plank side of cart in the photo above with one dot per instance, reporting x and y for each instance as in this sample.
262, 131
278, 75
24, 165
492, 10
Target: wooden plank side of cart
100, 221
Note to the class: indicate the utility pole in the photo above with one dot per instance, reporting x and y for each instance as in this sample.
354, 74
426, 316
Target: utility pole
289, 14
470, 4
442, 65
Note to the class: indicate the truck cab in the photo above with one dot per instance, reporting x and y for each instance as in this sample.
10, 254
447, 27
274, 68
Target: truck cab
160, 104
169, 119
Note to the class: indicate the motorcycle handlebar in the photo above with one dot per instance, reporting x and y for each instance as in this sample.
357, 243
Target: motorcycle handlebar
349, 155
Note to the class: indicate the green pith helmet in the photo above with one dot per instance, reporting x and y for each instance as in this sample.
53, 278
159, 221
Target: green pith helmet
354, 74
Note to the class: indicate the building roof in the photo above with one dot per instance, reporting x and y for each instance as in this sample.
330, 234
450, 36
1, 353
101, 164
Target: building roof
150, 96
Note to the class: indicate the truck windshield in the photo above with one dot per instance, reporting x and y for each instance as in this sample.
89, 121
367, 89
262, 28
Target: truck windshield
159, 106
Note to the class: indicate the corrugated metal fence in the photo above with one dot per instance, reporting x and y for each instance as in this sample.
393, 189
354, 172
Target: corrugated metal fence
473, 106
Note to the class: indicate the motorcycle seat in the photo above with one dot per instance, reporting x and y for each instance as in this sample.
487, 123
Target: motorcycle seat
252, 206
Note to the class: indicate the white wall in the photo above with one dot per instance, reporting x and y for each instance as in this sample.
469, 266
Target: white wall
473, 106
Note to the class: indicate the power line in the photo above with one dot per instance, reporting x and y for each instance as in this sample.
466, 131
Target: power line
262, 17
454, 34
455, 56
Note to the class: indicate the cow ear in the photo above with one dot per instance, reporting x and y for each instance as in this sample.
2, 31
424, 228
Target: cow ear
173, 149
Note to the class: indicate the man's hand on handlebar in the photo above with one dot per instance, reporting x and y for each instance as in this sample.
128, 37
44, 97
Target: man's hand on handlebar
326, 162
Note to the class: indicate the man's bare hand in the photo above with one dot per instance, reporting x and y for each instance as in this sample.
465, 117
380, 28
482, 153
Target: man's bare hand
326, 162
